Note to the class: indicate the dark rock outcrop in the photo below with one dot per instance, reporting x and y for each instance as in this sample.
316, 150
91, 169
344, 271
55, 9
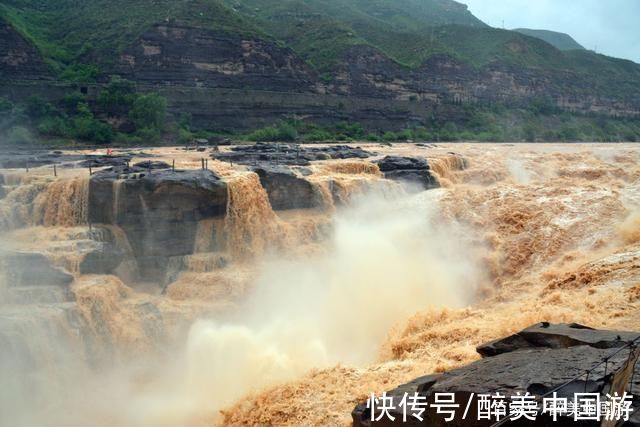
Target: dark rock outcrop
105, 259
286, 190
97, 161
556, 336
413, 171
25, 159
288, 154
30, 278
539, 360
152, 164
18, 58
27, 269
158, 211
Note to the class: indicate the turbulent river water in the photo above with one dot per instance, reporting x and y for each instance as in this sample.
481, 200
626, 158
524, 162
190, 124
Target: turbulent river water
292, 317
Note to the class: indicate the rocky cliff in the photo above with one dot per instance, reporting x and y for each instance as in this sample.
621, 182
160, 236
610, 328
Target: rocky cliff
158, 210
19, 60
181, 55
234, 67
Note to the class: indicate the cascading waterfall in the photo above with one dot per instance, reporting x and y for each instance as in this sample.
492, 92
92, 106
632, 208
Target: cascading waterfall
445, 168
251, 226
63, 203
286, 291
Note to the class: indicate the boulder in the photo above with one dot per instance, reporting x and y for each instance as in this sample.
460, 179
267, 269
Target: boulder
286, 190
539, 360
410, 170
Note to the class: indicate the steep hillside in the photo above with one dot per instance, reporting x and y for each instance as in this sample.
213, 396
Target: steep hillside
19, 58
561, 41
67, 31
321, 30
235, 65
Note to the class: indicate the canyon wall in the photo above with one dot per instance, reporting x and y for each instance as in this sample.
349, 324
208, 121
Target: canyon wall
18, 58
231, 82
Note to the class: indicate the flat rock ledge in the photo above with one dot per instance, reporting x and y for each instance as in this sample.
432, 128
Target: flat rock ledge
540, 360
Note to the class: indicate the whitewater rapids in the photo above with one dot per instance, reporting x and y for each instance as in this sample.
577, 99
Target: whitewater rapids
297, 329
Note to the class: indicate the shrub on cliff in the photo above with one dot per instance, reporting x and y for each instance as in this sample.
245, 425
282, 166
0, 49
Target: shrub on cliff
80, 73
147, 114
53, 126
37, 107
118, 97
85, 126
184, 136
281, 132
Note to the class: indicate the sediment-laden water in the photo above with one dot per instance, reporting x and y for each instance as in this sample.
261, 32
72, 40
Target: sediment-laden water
157, 301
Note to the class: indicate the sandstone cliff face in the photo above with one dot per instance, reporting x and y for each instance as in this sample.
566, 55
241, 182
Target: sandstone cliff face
365, 71
181, 55
18, 59
231, 82
190, 57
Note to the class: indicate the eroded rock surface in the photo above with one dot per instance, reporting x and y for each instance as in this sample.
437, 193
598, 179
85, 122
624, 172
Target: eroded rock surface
288, 190
410, 170
159, 211
31, 269
288, 154
539, 360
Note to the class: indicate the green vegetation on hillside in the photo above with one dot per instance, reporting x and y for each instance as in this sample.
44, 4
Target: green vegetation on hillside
72, 35
320, 31
83, 40
74, 118
558, 40
495, 124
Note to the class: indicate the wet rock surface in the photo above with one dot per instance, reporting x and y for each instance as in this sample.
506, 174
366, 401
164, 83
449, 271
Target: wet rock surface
159, 210
96, 161
287, 190
27, 269
152, 164
556, 336
539, 360
410, 170
25, 159
287, 154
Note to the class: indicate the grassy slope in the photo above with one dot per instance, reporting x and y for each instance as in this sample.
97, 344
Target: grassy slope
67, 31
560, 41
320, 31
410, 31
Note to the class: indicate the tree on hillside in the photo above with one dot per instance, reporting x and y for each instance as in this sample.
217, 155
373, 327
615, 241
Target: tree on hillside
147, 114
